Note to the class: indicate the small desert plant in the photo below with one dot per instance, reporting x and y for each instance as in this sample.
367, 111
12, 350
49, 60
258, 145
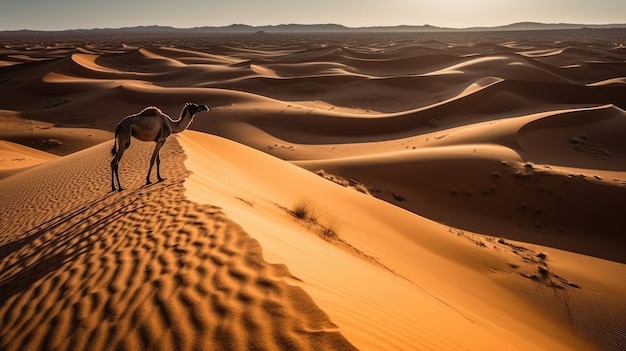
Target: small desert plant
544, 272
362, 188
329, 229
303, 209
398, 197
328, 232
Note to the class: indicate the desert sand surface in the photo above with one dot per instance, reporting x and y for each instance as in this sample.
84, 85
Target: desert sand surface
458, 191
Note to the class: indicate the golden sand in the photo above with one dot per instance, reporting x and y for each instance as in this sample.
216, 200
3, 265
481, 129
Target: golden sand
344, 192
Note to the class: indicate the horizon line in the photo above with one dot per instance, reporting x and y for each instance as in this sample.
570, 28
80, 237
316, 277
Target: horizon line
426, 25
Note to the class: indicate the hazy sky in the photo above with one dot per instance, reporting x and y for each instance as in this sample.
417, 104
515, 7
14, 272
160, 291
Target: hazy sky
72, 14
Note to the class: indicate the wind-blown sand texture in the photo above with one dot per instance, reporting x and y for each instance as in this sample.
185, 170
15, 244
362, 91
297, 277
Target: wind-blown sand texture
370, 192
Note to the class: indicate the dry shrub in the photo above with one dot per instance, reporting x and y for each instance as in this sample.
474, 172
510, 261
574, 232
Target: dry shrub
303, 209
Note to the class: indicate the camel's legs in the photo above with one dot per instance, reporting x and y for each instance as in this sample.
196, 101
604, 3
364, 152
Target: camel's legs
115, 168
155, 157
158, 163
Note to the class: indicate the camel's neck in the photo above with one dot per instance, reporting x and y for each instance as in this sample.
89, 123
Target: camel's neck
183, 121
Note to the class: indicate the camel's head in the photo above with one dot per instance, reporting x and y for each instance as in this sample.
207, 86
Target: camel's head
195, 108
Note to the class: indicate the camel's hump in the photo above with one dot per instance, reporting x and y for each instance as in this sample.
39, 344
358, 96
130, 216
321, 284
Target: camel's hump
150, 111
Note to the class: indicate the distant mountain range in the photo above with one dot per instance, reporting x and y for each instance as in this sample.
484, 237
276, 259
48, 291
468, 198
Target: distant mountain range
323, 28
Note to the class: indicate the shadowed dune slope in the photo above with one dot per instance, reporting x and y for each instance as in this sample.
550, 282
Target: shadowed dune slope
552, 178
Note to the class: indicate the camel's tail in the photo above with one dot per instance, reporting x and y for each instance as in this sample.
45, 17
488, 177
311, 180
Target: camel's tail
114, 150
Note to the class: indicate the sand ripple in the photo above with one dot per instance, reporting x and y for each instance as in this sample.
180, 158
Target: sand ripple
141, 269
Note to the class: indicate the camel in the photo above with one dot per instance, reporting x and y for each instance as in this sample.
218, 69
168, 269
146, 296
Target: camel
151, 124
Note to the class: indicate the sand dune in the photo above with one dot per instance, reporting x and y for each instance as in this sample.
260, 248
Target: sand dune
143, 269
454, 193
426, 255
15, 157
